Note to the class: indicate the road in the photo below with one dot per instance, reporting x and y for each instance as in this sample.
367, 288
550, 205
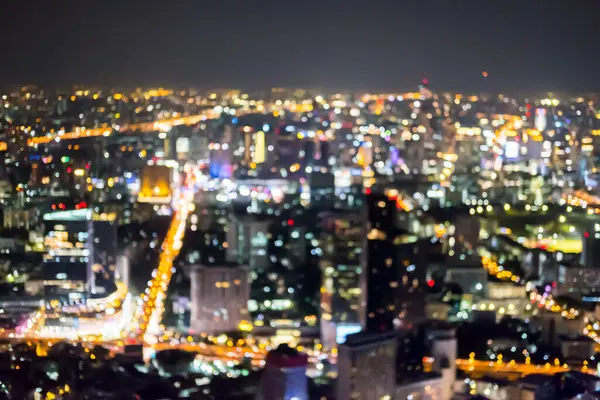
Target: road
163, 124
154, 126
152, 301
511, 368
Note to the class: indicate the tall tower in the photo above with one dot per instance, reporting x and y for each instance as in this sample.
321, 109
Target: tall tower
343, 274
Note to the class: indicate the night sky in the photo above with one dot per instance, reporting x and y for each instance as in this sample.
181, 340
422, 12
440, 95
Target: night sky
368, 44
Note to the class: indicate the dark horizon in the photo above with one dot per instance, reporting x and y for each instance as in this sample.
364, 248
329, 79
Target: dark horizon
527, 46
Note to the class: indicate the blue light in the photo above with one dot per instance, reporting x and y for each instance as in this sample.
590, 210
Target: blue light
234, 120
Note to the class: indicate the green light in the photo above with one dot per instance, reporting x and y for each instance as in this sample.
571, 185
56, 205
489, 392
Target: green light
65, 159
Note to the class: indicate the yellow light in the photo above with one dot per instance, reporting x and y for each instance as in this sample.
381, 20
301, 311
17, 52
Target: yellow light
245, 326
118, 96
259, 153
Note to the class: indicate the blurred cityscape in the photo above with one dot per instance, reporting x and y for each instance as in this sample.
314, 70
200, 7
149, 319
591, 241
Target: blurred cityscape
298, 244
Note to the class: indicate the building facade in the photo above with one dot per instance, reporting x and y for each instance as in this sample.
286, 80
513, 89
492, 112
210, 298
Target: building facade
67, 268
367, 366
343, 274
219, 297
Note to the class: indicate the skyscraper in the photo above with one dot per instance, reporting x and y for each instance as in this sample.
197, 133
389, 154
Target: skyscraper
104, 254
343, 271
80, 258
68, 259
396, 269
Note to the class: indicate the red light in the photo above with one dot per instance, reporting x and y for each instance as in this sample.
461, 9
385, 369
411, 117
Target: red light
553, 284
368, 191
586, 234
528, 114
425, 81
54, 206
430, 283
61, 206
528, 106
83, 204
290, 222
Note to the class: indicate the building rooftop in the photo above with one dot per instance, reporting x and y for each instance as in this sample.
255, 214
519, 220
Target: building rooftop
408, 379
285, 356
366, 338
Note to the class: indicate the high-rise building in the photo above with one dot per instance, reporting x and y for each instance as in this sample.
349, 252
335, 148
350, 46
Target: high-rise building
322, 187
383, 284
219, 297
383, 280
367, 366
396, 269
81, 251
413, 257
343, 271
67, 268
284, 376
247, 240
104, 254
590, 254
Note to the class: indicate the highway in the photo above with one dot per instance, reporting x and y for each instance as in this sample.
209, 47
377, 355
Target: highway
163, 124
154, 126
512, 369
151, 309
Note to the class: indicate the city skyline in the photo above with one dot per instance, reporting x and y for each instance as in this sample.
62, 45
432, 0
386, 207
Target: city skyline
260, 200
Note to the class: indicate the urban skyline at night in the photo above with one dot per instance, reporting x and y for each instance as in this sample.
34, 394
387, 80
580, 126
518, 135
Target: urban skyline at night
335, 200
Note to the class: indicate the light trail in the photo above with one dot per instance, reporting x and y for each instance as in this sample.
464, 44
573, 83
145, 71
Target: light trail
512, 367
152, 301
145, 127
164, 124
